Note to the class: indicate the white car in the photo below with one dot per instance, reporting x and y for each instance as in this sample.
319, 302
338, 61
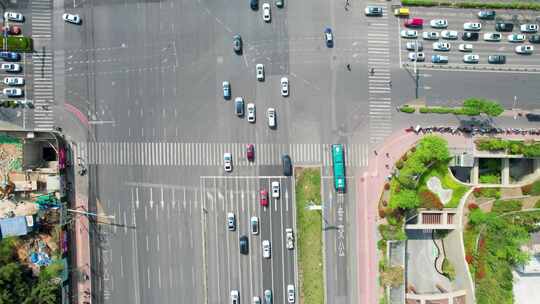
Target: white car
414, 46
409, 34
12, 92
441, 46
235, 297
516, 38
451, 35
430, 35
275, 189
271, 114
251, 112
259, 69
465, 47
439, 23
10, 67
492, 37
256, 300
529, 28
290, 293
289, 237
14, 16
284, 86
267, 249
71, 18
471, 58
472, 26
227, 162
524, 49
14, 81
420, 56
266, 12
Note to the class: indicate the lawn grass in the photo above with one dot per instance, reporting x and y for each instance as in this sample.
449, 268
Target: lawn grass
447, 181
309, 234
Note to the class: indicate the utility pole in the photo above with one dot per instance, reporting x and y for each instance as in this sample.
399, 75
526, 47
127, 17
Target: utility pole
514, 107
416, 74
91, 214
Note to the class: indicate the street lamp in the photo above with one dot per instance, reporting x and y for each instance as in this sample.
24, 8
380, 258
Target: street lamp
85, 213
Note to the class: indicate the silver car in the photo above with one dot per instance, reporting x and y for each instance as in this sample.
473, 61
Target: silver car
451, 35
71, 18
529, 28
472, 26
430, 35
251, 112
524, 49
14, 81
516, 38
409, 34
227, 162
271, 115
492, 37
420, 56
471, 58
441, 46
267, 249
284, 86
439, 23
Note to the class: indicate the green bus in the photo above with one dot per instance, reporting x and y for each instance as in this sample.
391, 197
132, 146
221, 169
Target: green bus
338, 160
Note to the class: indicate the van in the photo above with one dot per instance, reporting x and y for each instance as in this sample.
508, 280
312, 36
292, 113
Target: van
401, 12
414, 22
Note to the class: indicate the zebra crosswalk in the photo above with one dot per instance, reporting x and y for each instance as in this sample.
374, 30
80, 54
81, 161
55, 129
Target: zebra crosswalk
211, 154
42, 62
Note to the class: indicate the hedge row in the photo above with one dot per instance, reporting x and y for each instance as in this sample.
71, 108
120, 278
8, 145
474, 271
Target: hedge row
455, 111
474, 4
407, 109
18, 44
527, 149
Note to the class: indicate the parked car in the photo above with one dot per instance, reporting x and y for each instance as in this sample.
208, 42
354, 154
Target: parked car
419, 57
441, 46
14, 16
430, 35
10, 56
11, 67
244, 244
263, 194
471, 58
408, 34
239, 106
14, 81
414, 22
450, 35
267, 249
516, 38
439, 23
401, 12
279, 3
259, 71
13, 92
534, 38
465, 47
287, 164
250, 152
256, 300
373, 11
72, 18
529, 28
284, 86
497, 59
493, 37
254, 225
251, 112
504, 26
524, 49
275, 189
266, 12
472, 26
237, 43
439, 59
414, 46
231, 221
328, 37
470, 36
227, 162
271, 115
486, 15
226, 90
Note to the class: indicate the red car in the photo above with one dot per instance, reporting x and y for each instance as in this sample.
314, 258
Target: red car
250, 152
264, 198
13, 29
414, 22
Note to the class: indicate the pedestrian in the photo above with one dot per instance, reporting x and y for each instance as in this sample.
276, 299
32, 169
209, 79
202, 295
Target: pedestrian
390, 83
348, 66
372, 70
387, 154
375, 152
387, 166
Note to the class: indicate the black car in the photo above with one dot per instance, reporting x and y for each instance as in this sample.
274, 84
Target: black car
287, 165
497, 59
504, 27
237, 43
244, 247
534, 38
486, 15
470, 36
532, 116
254, 4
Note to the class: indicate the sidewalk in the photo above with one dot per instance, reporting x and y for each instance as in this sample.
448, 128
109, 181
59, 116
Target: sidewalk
371, 181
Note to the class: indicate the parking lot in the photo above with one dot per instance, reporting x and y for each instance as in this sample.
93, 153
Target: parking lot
456, 18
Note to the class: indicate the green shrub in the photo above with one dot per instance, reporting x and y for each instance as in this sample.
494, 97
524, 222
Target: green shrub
407, 109
531, 150
490, 179
487, 192
505, 206
430, 200
399, 164
18, 44
535, 189
448, 270
391, 233
537, 204
491, 144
